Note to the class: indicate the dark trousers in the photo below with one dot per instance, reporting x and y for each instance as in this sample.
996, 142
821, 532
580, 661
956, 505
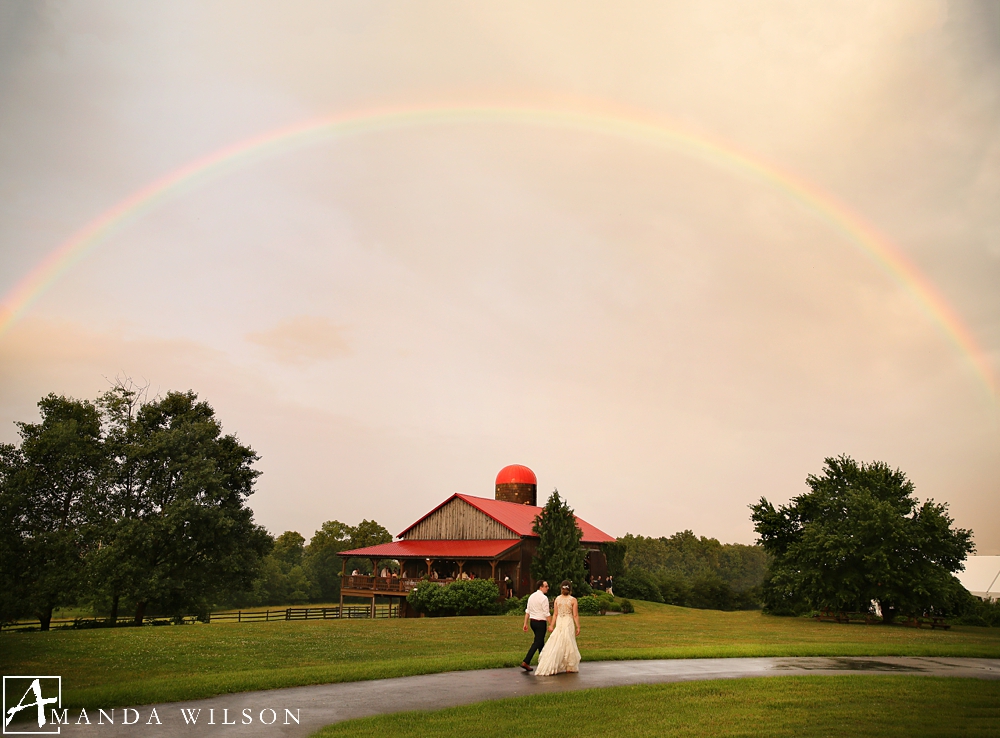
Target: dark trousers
538, 627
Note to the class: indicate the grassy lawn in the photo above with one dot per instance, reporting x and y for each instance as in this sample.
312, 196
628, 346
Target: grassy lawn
796, 707
133, 666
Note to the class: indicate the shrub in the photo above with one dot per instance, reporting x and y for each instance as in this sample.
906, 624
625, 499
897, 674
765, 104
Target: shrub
674, 588
458, 598
974, 611
627, 607
515, 605
709, 592
638, 585
605, 602
589, 605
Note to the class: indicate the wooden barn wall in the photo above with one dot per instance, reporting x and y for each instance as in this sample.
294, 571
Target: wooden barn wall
458, 520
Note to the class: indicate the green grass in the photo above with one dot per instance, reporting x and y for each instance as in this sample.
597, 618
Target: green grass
797, 707
133, 666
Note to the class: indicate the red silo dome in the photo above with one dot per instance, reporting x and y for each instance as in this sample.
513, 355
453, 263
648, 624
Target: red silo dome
516, 474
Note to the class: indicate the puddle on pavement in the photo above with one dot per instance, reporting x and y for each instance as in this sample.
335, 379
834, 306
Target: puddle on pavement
848, 665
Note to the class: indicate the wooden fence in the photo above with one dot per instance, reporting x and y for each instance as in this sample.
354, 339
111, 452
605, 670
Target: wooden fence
304, 613
228, 616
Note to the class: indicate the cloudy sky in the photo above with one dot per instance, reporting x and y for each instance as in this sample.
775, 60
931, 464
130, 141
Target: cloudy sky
391, 313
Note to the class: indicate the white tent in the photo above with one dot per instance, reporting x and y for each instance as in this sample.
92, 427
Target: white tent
982, 576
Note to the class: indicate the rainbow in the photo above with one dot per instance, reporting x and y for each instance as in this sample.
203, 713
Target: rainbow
603, 120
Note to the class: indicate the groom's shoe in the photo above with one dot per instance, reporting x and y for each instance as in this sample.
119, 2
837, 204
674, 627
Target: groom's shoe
524, 665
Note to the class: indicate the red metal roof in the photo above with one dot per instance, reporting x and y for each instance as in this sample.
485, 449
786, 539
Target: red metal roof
516, 474
480, 549
517, 518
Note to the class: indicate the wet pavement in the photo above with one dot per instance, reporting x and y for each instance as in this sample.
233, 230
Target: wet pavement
273, 712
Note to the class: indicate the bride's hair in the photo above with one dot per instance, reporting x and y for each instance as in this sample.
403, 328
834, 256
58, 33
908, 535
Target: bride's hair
566, 586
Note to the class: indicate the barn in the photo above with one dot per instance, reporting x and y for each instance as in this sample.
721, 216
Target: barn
467, 536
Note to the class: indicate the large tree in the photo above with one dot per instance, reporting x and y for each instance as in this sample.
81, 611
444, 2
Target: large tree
51, 489
13, 540
182, 534
110, 573
860, 536
559, 554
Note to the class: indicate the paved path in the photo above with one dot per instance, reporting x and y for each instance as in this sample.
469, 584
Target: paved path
330, 703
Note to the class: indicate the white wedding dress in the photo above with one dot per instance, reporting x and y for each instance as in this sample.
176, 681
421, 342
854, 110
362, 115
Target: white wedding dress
560, 653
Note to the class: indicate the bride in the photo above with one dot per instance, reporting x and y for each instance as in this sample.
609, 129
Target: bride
560, 652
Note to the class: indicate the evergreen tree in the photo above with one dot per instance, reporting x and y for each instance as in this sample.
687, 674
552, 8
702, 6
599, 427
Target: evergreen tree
559, 555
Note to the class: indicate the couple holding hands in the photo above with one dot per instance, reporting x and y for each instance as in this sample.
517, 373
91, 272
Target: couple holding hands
560, 654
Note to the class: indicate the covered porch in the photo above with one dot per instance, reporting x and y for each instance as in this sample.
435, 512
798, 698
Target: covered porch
439, 561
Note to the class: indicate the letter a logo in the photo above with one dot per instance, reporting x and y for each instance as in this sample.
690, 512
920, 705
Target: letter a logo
42, 693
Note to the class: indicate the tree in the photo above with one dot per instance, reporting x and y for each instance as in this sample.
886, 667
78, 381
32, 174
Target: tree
294, 573
687, 555
321, 561
364, 534
860, 536
283, 579
52, 486
638, 584
109, 573
559, 554
182, 533
369, 533
289, 548
14, 578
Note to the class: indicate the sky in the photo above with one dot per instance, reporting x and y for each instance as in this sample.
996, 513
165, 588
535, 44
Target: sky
390, 311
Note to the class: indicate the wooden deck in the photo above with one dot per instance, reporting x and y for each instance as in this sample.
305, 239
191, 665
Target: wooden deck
366, 586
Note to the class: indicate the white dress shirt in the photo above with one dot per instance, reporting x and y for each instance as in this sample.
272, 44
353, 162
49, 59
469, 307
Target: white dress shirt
538, 606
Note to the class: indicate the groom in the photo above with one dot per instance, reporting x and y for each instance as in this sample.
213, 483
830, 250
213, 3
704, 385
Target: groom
537, 615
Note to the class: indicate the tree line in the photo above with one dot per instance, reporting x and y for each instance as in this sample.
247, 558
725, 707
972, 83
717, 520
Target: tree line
681, 569
136, 505
689, 570
139, 505
858, 541
296, 572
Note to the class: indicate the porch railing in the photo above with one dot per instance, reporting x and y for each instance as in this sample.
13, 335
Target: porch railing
378, 584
